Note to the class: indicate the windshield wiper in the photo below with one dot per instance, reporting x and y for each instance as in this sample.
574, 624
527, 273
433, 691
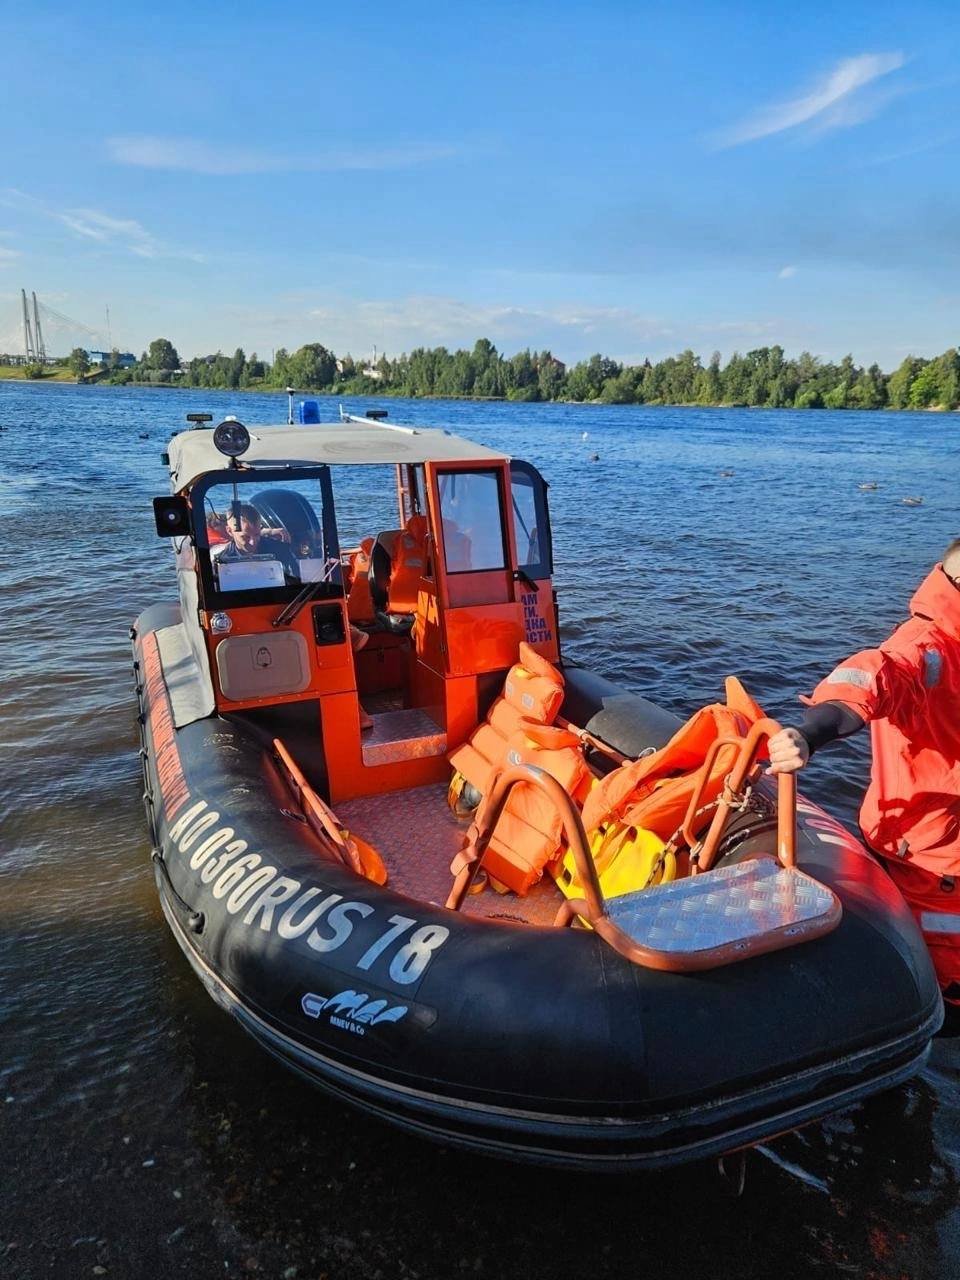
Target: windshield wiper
290, 611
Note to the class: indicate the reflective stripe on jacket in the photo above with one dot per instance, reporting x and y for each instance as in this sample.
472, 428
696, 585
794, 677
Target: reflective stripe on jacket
935, 903
909, 691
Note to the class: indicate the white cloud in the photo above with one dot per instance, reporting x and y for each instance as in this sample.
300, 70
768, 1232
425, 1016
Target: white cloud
786, 273
413, 320
917, 148
831, 103
93, 224
573, 331
192, 155
7, 256
733, 329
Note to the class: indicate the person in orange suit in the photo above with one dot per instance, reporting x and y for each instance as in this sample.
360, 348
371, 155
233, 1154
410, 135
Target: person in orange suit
908, 691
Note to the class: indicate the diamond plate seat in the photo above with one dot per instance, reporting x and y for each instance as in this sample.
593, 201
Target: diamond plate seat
725, 915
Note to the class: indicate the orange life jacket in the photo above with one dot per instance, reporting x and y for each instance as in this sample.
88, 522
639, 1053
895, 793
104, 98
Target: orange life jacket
408, 565
653, 793
532, 692
529, 834
359, 601
519, 730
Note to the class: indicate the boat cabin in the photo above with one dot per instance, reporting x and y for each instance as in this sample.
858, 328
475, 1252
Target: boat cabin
375, 581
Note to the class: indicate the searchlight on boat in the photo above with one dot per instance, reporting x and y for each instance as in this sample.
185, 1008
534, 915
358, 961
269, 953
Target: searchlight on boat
232, 438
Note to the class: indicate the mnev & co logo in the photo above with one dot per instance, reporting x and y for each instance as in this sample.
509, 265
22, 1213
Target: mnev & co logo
352, 1011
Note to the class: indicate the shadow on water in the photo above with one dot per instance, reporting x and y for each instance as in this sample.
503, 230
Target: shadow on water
193, 1154
145, 1136
385, 1204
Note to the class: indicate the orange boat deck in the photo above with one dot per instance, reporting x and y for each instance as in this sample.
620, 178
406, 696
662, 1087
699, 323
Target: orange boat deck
417, 836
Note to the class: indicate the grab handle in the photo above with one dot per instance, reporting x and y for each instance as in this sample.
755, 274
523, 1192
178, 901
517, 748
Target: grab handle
467, 862
704, 852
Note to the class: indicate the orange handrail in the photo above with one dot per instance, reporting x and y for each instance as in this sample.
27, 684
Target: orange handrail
704, 852
320, 818
592, 907
467, 862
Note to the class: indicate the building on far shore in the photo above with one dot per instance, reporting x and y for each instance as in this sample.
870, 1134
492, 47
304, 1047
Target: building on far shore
16, 360
125, 359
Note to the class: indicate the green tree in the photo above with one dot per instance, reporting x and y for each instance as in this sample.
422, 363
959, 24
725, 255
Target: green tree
870, 389
681, 380
901, 382
653, 383
551, 376
809, 398
737, 379
521, 375
312, 367
78, 362
844, 378
162, 355
950, 378
936, 384
586, 380
925, 389
708, 388
238, 364
255, 370
623, 388
580, 386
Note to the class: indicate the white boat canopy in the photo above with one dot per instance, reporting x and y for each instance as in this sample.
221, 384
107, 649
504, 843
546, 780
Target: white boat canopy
193, 453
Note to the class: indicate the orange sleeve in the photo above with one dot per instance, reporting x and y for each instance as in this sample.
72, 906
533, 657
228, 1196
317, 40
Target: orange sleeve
877, 684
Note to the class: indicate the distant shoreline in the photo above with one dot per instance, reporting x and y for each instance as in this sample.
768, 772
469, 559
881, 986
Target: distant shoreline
70, 380
761, 378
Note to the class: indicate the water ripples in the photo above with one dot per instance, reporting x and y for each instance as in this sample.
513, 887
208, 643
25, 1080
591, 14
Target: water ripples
670, 576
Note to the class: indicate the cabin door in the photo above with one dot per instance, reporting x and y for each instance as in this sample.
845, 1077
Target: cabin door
531, 525
474, 567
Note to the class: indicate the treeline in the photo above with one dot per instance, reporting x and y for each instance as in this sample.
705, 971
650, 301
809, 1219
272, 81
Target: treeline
763, 377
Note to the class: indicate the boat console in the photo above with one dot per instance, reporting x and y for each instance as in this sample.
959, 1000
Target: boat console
268, 589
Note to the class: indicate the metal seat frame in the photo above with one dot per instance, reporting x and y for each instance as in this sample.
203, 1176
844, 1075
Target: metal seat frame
780, 893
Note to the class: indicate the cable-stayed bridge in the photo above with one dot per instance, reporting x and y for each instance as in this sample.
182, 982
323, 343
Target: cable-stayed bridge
31, 330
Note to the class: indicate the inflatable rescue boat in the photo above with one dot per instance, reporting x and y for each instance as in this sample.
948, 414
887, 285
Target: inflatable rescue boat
474, 889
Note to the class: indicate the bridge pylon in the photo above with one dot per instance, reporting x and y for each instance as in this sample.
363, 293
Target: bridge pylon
29, 346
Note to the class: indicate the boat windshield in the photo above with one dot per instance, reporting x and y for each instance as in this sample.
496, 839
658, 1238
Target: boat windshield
266, 535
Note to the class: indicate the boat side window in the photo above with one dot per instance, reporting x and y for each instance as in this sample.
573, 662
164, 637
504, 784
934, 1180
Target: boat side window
471, 514
531, 521
366, 501
419, 489
419, 501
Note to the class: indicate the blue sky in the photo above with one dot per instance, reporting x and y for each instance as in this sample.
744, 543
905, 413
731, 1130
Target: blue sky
629, 178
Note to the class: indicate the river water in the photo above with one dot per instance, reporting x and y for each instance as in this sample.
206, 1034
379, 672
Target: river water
143, 1135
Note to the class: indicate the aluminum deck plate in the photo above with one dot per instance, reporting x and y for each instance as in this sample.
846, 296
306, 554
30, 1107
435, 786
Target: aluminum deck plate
402, 735
721, 907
